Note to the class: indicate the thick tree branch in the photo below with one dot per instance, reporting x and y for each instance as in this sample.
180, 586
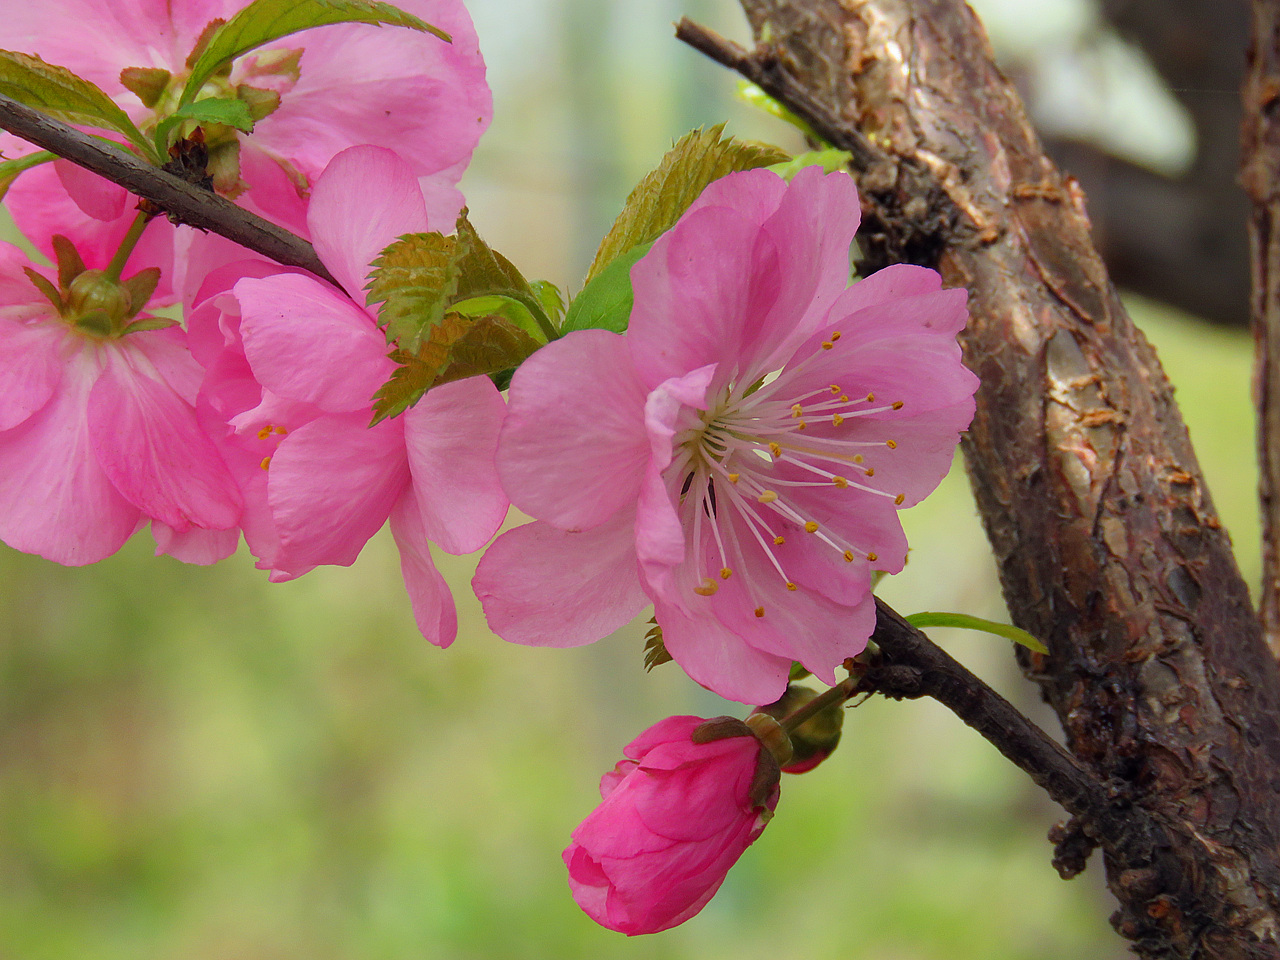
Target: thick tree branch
1260, 176
182, 201
1105, 537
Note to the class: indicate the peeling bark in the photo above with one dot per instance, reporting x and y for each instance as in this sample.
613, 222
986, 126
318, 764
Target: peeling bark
1106, 539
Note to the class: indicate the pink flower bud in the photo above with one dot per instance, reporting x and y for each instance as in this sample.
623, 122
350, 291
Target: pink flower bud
674, 818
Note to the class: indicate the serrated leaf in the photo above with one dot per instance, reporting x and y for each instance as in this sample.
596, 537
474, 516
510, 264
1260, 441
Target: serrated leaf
655, 650
507, 307
227, 111
60, 93
605, 303
414, 279
11, 169
665, 193
830, 160
482, 271
416, 370
265, 21
486, 346
966, 622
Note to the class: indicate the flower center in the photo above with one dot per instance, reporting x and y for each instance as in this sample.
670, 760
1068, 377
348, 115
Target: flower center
762, 459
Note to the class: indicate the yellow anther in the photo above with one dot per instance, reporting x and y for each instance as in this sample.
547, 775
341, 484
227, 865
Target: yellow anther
733, 477
775, 449
759, 611
844, 397
840, 482
811, 526
796, 410
281, 431
857, 458
266, 462
871, 471
768, 496
801, 425
897, 404
827, 344
872, 557
836, 420
264, 432
899, 498
707, 589
792, 586
891, 444
871, 398
835, 389
725, 573
836, 335
848, 556
779, 541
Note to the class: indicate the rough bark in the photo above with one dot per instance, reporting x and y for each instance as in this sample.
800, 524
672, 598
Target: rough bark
1106, 539
1261, 177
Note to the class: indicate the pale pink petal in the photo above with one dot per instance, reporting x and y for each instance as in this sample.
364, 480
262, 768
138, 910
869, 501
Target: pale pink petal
573, 448
451, 435
272, 192
213, 324
19, 299
433, 608
97, 197
55, 500
332, 484
721, 660
894, 282
169, 354
307, 342
201, 547
30, 368
543, 586
365, 199
149, 443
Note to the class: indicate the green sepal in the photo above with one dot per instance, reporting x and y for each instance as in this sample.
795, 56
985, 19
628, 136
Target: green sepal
97, 322
659, 199
605, 302
149, 323
46, 287
70, 264
259, 103
64, 96
265, 21
140, 287
830, 160
966, 622
11, 169
148, 84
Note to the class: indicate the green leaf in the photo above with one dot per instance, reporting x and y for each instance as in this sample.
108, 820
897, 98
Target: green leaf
830, 160
231, 113
10, 169
487, 346
665, 193
148, 84
414, 279
482, 271
265, 21
966, 622
61, 94
549, 295
416, 370
506, 307
605, 302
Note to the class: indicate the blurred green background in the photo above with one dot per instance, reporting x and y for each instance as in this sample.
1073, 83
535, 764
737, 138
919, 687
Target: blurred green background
196, 765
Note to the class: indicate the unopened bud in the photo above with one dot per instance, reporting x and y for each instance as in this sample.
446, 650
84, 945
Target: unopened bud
815, 739
94, 296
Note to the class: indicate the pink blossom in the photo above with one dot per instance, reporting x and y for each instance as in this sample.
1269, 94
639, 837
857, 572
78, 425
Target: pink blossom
98, 434
739, 456
354, 84
291, 366
673, 819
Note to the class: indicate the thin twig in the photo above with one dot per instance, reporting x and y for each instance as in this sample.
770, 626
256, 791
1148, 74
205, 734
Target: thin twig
182, 201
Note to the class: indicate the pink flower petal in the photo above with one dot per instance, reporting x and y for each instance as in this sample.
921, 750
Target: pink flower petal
97, 197
148, 442
55, 500
433, 608
307, 342
332, 484
573, 448
542, 586
721, 660
365, 199
30, 368
202, 547
451, 435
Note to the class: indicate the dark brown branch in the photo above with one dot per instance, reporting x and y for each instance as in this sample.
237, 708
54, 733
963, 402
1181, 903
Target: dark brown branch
1261, 179
182, 201
1106, 539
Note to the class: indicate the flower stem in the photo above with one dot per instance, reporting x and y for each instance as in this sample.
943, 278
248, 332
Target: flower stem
131, 238
841, 692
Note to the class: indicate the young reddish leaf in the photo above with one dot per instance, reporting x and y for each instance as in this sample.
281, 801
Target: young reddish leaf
264, 21
415, 280
665, 193
486, 346
482, 271
417, 369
